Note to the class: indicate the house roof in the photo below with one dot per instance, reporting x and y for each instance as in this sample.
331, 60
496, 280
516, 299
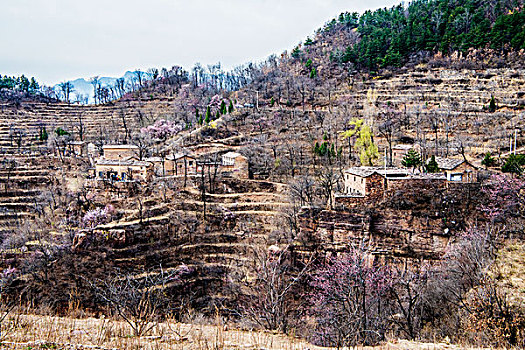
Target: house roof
404, 147
448, 163
123, 162
120, 147
366, 171
153, 159
178, 156
392, 173
232, 155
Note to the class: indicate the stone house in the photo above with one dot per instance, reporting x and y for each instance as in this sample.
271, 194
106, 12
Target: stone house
363, 181
181, 163
236, 164
120, 151
123, 170
366, 185
457, 170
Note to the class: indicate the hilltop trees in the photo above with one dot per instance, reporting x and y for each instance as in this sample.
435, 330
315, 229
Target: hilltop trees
390, 36
66, 88
19, 84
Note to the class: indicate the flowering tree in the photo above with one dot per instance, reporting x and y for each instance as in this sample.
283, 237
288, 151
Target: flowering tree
505, 199
98, 216
162, 129
348, 300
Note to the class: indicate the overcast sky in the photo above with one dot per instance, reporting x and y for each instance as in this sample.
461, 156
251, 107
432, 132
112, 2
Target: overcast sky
58, 40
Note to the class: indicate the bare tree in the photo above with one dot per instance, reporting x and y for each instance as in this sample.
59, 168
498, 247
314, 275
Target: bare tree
95, 82
67, 89
138, 300
270, 303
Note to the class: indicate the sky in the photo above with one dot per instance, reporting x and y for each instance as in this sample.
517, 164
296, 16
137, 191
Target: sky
60, 40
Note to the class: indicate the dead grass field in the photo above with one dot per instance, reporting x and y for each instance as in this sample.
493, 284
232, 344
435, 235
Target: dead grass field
46, 332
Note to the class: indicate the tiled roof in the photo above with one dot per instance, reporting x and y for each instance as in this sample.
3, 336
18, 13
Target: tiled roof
392, 173
124, 162
120, 146
366, 171
403, 147
448, 163
232, 155
178, 156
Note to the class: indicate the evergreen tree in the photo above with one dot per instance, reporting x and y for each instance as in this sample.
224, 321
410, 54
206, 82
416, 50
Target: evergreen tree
412, 159
492, 104
488, 160
223, 107
33, 85
316, 148
272, 102
514, 164
207, 118
230, 108
43, 136
432, 165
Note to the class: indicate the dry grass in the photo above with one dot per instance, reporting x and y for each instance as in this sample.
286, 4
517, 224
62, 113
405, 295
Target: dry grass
511, 270
46, 332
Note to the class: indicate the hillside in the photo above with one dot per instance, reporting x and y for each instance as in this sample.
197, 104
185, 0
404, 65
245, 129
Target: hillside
275, 247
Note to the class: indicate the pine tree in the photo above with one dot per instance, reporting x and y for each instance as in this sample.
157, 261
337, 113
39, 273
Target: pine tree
432, 166
492, 104
43, 134
316, 148
230, 108
411, 160
223, 107
488, 160
207, 118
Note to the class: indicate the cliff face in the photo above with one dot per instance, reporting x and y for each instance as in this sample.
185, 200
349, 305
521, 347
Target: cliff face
407, 224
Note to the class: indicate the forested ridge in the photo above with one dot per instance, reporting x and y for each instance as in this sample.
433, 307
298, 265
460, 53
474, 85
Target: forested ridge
388, 37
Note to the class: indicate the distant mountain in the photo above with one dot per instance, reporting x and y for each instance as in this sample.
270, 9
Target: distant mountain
83, 89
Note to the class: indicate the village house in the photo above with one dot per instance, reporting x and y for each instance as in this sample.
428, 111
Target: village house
123, 170
369, 184
180, 164
457, 170
362, 181
235, 164
120, 163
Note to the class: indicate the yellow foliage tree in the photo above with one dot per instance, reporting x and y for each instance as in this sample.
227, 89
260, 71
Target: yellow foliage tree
368, 151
